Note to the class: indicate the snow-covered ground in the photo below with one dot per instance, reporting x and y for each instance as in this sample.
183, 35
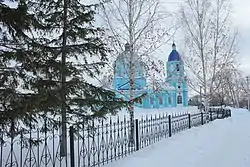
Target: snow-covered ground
49, 154
107, 133
140, 112
221, 143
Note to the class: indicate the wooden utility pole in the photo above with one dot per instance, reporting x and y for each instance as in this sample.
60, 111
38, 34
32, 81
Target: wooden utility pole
248, 93
200, 101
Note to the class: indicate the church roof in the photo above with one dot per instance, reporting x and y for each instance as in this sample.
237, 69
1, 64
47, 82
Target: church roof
125, 55
167, 86
124, 58
122, 64
174, 55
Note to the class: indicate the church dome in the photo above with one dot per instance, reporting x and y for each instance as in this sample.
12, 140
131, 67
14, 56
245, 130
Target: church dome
174, 55
122, 64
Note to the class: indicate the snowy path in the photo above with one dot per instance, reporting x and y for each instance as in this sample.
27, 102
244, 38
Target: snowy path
222, 143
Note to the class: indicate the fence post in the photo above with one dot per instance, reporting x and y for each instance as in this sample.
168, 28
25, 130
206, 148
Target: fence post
72, 151
137, 145
211, 116
189, 121
169, 126
202, 121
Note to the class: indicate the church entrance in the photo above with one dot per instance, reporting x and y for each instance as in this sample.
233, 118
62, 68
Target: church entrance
179, 99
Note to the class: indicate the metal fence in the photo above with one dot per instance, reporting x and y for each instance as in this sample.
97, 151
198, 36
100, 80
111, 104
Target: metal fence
97, 143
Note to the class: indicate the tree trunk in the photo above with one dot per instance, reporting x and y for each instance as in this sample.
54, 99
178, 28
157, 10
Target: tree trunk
63, 145
131, 71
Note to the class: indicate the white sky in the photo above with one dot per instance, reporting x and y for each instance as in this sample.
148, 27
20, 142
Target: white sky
241, 19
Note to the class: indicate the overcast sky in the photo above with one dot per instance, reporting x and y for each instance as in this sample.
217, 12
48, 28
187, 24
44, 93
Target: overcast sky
241, 21
241, 18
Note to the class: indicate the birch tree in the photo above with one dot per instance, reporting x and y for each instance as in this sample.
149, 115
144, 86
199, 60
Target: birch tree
142, 25
229, 87
211, 43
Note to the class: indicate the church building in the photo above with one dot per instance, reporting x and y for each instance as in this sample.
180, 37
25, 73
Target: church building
173, 91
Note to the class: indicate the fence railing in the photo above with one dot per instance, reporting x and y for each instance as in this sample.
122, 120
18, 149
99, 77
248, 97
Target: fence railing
97, 143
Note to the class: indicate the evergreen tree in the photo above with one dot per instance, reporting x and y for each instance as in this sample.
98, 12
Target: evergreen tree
14, 22
48, 52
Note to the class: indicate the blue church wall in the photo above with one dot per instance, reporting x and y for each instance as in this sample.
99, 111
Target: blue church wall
185, 98
153, 99
176, 93
174, 100
123, 83
159, 99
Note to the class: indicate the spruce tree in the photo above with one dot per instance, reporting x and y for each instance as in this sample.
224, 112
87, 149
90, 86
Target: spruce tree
54, 48
14, 22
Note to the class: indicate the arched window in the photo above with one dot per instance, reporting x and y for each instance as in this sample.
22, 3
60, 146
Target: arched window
119, 72
177, 67
151, 100
169, 100
160, 100
179, 99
